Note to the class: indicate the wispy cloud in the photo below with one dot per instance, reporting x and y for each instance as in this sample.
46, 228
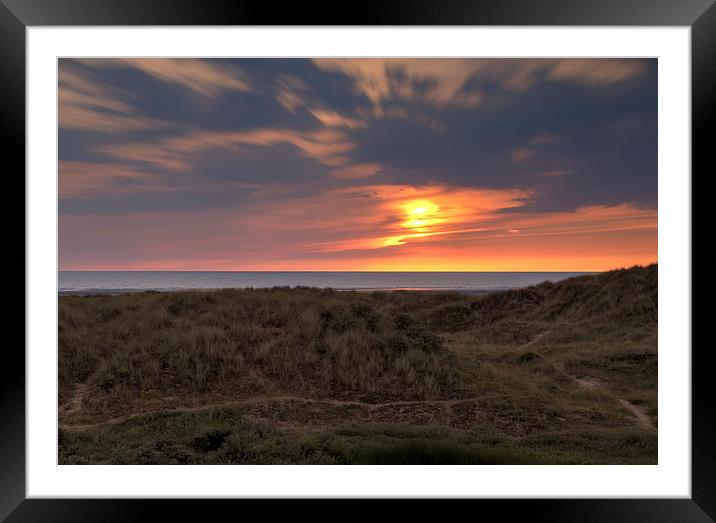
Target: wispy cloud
87, 180
333, 119
290, 92
87, 104
361, 170
596, 72
432, 81
536, 150
446, 82
413, 213
326, 146
205, 78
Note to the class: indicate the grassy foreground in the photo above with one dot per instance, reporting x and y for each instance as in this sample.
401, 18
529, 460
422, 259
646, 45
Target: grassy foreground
554, 373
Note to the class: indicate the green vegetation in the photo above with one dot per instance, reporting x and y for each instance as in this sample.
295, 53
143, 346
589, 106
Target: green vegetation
554, 373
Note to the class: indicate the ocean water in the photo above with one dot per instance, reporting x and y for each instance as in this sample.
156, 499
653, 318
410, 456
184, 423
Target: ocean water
75, 282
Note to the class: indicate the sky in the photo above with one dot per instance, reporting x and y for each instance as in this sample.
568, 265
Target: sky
357, 164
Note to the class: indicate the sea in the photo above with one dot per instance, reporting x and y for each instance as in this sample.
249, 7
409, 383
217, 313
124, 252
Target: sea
117, 282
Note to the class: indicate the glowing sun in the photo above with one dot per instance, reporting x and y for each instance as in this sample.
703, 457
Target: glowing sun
420, 214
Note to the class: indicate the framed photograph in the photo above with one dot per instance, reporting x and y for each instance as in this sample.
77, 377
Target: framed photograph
433, 251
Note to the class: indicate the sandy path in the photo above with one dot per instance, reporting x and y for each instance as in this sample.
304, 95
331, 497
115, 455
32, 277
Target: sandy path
264, 399
642, 418
534, 340
75, 404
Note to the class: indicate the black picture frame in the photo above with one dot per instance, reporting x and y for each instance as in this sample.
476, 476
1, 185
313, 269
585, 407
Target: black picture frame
17, 15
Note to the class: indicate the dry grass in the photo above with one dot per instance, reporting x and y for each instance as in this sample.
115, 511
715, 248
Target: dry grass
519, 360
235, 342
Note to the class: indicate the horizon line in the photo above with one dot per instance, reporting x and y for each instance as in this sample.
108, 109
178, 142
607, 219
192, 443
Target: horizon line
360, 271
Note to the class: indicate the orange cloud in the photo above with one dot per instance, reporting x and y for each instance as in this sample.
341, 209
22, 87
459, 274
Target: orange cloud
448, 228
442, 81
596, 72
376, 216
464, 229
86, 180
203, 77
326, 146
333, 119
84, 103
287, 92
351, 172
585, 220
82, 179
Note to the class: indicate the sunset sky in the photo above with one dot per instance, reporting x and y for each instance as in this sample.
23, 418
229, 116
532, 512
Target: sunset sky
357, 164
